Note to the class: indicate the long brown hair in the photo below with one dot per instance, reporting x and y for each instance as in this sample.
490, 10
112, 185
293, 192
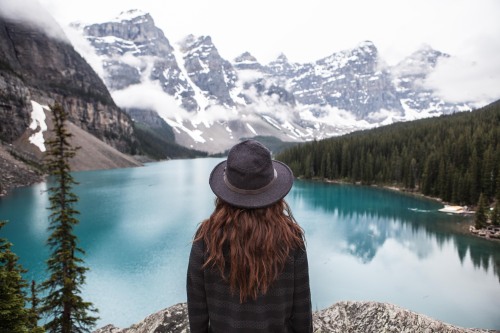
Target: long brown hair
256, 242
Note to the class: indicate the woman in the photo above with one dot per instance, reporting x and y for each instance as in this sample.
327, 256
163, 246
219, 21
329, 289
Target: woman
248, 269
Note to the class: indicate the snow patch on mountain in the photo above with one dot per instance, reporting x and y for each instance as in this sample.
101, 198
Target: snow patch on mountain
130, 15
252, 129
199, 97
38, 125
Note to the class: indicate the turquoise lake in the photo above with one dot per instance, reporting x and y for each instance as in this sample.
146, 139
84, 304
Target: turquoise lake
363, 243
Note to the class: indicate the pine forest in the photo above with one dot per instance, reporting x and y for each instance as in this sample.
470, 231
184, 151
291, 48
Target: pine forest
454, 157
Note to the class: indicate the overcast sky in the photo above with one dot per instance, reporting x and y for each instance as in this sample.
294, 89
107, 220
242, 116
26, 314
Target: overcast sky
307, 30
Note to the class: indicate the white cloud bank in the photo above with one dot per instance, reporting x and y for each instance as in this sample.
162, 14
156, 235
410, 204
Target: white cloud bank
31, 11
472, 75
149, 95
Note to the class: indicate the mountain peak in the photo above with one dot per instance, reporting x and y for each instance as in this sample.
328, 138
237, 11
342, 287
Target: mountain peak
367, 47
428, 53
368, 43
131, 15
281, 66
247, 61
422, 60
192, 40
245, 57
282, 58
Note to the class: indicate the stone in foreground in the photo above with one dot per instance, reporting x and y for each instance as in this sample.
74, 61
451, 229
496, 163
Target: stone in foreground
352, 317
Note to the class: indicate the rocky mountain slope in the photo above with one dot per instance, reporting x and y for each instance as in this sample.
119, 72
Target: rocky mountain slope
38, 70
342, 317
211, 102
15, 172
35, 66
45, 69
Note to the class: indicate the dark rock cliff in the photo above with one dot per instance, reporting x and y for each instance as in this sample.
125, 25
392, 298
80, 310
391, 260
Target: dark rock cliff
34, 66
41, 69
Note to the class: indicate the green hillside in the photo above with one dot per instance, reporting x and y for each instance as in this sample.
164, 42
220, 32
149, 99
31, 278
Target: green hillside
454, 157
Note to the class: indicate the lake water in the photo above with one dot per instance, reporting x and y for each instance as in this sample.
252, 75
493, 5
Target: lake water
363, 244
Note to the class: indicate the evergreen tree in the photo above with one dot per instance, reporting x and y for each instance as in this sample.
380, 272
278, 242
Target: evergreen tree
497, 195
63, 306
13, 314
481, 218
488, 180
454, 157
34, 314
495, 215
475, 164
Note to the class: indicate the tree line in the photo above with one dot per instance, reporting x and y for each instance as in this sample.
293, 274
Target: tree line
452, 157
60, 303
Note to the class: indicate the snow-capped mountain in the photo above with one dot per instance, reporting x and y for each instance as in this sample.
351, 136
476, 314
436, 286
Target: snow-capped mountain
211, 102
351, 80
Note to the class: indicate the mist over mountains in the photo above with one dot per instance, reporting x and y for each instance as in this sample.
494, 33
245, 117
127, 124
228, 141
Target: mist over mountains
186, 92
211, 102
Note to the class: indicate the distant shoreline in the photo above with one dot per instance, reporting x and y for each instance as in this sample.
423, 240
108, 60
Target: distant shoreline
467, 228
385, 187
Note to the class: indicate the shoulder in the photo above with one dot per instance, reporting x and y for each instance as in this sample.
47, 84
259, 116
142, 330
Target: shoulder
198, 246
299, 251
299, 256
197, 250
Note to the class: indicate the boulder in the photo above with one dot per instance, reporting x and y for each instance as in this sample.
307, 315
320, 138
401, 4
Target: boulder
342, 317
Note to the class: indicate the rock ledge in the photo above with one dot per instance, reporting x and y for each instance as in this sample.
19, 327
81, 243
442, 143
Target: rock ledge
342, 317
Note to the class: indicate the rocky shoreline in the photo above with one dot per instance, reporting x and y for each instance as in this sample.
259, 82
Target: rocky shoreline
490, 232
15, 173
342, 317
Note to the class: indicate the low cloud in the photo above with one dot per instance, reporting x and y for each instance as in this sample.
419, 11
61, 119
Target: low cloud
472, 76
332, 116
33, 13
149, 95
249, 75
216, 113
85, 49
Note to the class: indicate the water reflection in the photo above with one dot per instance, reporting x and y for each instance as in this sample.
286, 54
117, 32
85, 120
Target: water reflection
372, 244
365, 219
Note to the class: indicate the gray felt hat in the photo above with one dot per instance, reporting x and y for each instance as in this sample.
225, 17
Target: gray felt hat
250, 178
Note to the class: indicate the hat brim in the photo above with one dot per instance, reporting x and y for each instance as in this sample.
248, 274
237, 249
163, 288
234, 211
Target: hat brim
277, 191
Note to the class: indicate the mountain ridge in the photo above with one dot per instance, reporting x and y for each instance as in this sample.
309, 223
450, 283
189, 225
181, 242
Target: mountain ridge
213, 101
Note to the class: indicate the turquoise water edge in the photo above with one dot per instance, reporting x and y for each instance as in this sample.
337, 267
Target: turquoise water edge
363, 243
